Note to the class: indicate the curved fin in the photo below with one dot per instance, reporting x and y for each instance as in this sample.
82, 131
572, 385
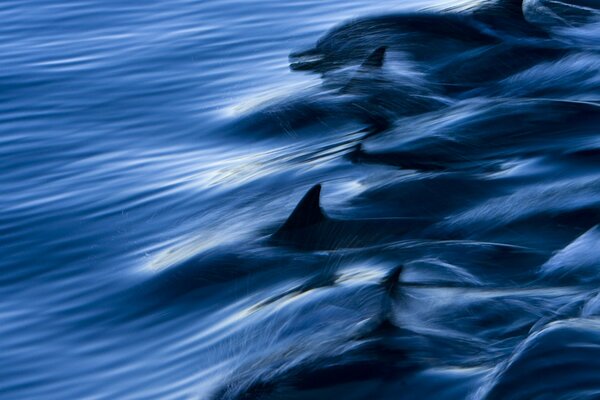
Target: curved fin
391, 282
376, 58
308, 211
360, 79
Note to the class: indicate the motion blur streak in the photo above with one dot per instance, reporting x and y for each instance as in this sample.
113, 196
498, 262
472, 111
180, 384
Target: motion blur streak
308, 199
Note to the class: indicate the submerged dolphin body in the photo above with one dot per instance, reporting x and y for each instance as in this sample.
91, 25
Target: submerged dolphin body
552, 14
380, 355
309, 228
354, 41
368, 95
567, 351
464, 50
481, 140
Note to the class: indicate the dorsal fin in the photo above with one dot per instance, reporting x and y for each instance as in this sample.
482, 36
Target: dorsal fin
373, 62
391, 282
375, 59
355, 154
307, 212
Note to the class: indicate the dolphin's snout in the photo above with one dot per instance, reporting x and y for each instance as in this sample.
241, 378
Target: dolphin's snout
305, 60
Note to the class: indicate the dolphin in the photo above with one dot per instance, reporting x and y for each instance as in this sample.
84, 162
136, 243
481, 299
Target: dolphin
458, 51
380, 354
352, 42
481, 140
309, 228
551, 14
368, 96
507, 16
566, 352
445, 32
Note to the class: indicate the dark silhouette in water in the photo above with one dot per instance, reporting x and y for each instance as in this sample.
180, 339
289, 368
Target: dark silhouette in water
308, 227
473, 104
457, 50
367, 95
551, 364
407, 32
155, 244
494, 132
378, 357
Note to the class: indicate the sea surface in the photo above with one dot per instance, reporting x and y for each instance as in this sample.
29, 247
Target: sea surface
151, 152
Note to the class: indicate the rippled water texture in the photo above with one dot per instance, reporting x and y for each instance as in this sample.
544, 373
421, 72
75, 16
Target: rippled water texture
302, 199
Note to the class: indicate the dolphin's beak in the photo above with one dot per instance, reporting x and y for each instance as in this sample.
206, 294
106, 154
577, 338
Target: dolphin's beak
305, 60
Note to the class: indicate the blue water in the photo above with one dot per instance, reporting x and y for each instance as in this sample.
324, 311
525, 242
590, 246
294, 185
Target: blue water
150, 150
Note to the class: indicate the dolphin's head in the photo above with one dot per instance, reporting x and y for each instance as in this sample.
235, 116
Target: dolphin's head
307, 60
322, 59
347, 44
